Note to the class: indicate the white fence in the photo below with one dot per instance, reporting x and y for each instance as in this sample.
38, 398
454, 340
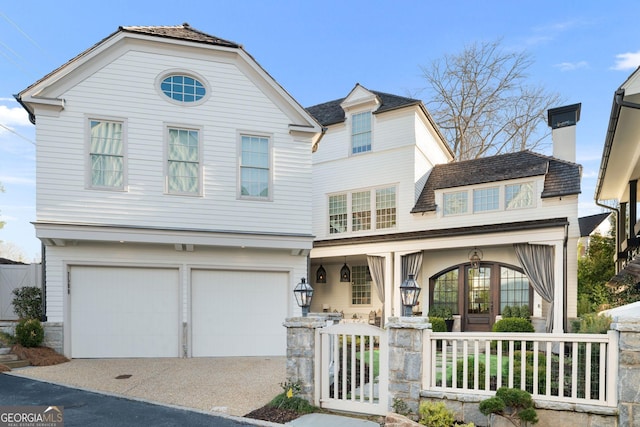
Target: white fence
353, 374
572, 368
15, 276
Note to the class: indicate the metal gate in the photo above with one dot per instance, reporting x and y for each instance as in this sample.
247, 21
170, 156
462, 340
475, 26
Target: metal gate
353, 370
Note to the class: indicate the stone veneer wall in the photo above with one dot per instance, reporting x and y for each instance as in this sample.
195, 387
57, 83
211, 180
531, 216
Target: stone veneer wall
53, 336
629, 371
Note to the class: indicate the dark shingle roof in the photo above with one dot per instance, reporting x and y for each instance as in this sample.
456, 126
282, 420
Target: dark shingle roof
589, 223
181, 32
329, 113
561, 178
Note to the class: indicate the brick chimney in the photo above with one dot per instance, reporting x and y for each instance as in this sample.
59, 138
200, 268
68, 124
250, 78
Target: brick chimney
562, 121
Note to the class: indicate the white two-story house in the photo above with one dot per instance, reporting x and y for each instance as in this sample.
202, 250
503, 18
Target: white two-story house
478, 235
173, 197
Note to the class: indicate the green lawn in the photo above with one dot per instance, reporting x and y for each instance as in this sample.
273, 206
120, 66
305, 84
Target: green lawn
376, 361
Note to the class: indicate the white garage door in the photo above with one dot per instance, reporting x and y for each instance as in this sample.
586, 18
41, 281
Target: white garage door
238, 313
124, 312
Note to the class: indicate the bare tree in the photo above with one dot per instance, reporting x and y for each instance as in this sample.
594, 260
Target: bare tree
482, 104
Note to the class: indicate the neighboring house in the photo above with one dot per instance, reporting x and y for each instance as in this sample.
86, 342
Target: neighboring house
590, 225
617, 186
173, 197
388, 201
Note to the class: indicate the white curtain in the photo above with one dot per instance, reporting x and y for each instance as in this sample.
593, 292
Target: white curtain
376, 268
106, 154
183, 161
537, 263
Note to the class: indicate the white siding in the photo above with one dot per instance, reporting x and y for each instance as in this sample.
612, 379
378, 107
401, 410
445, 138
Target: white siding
126, 89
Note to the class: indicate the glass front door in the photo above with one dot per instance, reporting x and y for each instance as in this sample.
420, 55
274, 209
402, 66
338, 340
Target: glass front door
478, 299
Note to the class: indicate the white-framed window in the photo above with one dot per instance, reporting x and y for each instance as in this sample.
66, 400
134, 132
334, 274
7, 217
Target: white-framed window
385, 207
255, 167
361, 132
106, 154
489, 199
360, 285
486, 199
337, 213
183, 161
519, 196
361, 210
181, 87
455, 203
373, 208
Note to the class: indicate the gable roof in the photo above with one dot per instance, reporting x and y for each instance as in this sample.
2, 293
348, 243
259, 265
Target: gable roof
330, 113
36, 93
589, 223
561, 178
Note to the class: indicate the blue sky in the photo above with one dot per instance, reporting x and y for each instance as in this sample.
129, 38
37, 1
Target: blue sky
318, 50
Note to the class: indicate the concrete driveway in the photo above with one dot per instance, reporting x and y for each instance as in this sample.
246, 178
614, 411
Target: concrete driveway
234, 385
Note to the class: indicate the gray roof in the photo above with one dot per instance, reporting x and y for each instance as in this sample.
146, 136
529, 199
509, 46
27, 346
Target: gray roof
589, 223
329, 113
180, 32
561, 178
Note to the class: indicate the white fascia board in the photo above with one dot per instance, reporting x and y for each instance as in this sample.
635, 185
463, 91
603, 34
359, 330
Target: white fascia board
50, 232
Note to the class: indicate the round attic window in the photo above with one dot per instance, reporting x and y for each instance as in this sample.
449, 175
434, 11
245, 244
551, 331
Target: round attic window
183, 88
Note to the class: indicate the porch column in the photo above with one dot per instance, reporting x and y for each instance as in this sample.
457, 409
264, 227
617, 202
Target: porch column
558, 290
388, 286
397, 280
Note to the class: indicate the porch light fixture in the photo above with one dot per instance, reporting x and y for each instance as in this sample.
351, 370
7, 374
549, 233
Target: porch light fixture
321, 274
345, 273
475, 256
409, 292
304, 294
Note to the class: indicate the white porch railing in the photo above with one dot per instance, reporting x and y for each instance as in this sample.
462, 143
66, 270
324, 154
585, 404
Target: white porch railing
572, 368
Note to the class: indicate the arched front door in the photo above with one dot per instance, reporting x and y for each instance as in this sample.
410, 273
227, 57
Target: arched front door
478, 295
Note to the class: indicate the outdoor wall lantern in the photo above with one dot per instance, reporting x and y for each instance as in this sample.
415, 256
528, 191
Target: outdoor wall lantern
345, 273
321, 275
475, 256
304, 294
409, 292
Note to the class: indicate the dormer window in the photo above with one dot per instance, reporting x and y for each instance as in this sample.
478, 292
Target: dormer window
361, 132
183, 88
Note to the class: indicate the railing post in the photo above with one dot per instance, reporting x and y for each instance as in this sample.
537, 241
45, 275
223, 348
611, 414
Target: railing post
407, 337
612, 368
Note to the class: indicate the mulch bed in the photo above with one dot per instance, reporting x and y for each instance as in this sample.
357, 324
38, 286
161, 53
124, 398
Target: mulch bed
39, 356
273, 414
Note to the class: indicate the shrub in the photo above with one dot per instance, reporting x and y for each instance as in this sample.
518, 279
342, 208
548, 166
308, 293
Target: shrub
506, 312
513, 324
27, 302
400, 407
288, 399
29, 333
470, 373
517, 371
438, 324
441, 311
514, 404
435, 414
592, 323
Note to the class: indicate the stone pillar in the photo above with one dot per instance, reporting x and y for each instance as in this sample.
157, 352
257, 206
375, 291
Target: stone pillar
628, 371
407, 339
301, 350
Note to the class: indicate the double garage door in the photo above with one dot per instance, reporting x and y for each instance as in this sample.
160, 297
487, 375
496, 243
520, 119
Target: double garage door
137, 312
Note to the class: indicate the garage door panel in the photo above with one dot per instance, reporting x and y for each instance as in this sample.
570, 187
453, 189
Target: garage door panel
124, 312
238, 313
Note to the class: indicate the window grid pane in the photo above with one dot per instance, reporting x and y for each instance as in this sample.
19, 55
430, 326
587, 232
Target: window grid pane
386, 208
486, 199
183, 161
514, 288
361, 211
254, 166
183, 88
360, 287
519, 196
479, 298
455, 203
445, 291
337, 214
106, 154
361, 133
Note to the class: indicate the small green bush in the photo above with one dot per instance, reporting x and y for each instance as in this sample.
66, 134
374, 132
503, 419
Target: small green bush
27, 302
507, 312
514, 404
470, 373
435, 414
592, 323
441, 311
29, 333
513, 324
438, 324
